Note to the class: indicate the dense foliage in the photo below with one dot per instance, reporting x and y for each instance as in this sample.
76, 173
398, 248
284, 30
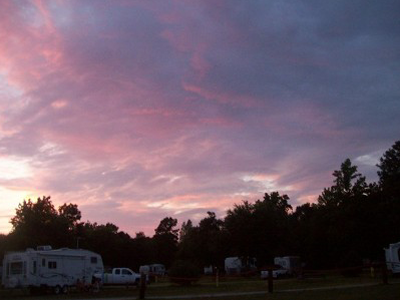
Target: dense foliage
351, 221
184, 272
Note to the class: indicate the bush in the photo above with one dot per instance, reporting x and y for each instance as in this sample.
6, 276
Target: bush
184, 273
351, 264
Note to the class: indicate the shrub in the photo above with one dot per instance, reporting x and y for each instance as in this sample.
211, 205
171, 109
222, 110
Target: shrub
351, 264
184, 273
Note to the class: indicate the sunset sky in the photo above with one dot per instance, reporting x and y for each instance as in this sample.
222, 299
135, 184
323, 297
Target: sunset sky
138, 110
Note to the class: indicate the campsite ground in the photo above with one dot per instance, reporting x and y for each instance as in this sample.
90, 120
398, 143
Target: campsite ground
323, 288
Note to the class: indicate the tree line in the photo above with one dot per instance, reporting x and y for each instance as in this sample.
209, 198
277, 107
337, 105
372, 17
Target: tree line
351, 222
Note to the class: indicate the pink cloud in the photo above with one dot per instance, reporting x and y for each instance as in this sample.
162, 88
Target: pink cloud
222, 97
29, 52
175, 103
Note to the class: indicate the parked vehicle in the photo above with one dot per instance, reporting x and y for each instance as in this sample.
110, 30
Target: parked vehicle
291, 263
46, 268
392, 254
278, 272
208, 270
236, 265
120, 276
284, 266
153, 270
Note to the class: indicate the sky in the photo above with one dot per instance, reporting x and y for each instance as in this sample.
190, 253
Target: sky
139, 110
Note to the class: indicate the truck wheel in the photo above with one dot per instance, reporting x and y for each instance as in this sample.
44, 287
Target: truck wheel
57, 290
65, 289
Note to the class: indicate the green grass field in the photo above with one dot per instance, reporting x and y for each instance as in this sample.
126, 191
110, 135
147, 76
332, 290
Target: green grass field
326, 288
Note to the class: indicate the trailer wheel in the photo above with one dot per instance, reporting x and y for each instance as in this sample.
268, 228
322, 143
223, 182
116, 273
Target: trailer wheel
57, 290
65, 289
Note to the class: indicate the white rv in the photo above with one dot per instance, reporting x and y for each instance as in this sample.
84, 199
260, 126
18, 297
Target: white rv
393, 257
236, 265
56, 269
285, 266
289, 263
153, 269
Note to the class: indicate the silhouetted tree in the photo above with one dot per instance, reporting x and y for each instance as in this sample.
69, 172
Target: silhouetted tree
113, 245
204, 244
189, 243
340, 229
166, 241
143, 251
389, 197
186, 229
39, 223
348, 183
212, 240
4, 245
306, 234
260, 230
389, 171
71, 215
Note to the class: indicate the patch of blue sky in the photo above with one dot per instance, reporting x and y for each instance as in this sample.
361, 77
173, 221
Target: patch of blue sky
31, 15
8, 91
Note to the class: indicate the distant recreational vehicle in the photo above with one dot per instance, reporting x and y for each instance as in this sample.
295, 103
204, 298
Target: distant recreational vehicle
392, 254
284, 266
208, 270
46, 268
153, 269
290, 263
236, 265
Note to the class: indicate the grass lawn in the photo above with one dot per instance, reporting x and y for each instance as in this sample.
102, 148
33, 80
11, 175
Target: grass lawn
283, 290
379, 292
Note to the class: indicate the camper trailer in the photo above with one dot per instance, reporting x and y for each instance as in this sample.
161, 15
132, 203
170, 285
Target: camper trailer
236, 265
284, 266
46, 268
289, 263
393, 257
153, 270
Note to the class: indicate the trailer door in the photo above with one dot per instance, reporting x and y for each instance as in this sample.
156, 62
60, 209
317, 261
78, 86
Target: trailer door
74, 266
33, 271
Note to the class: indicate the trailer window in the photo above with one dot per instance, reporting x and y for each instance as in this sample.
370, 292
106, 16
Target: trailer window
93, 260
34, 267
52, 265
16, 268
43, 262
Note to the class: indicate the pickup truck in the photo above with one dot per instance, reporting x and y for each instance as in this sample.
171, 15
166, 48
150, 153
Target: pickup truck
120, 276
